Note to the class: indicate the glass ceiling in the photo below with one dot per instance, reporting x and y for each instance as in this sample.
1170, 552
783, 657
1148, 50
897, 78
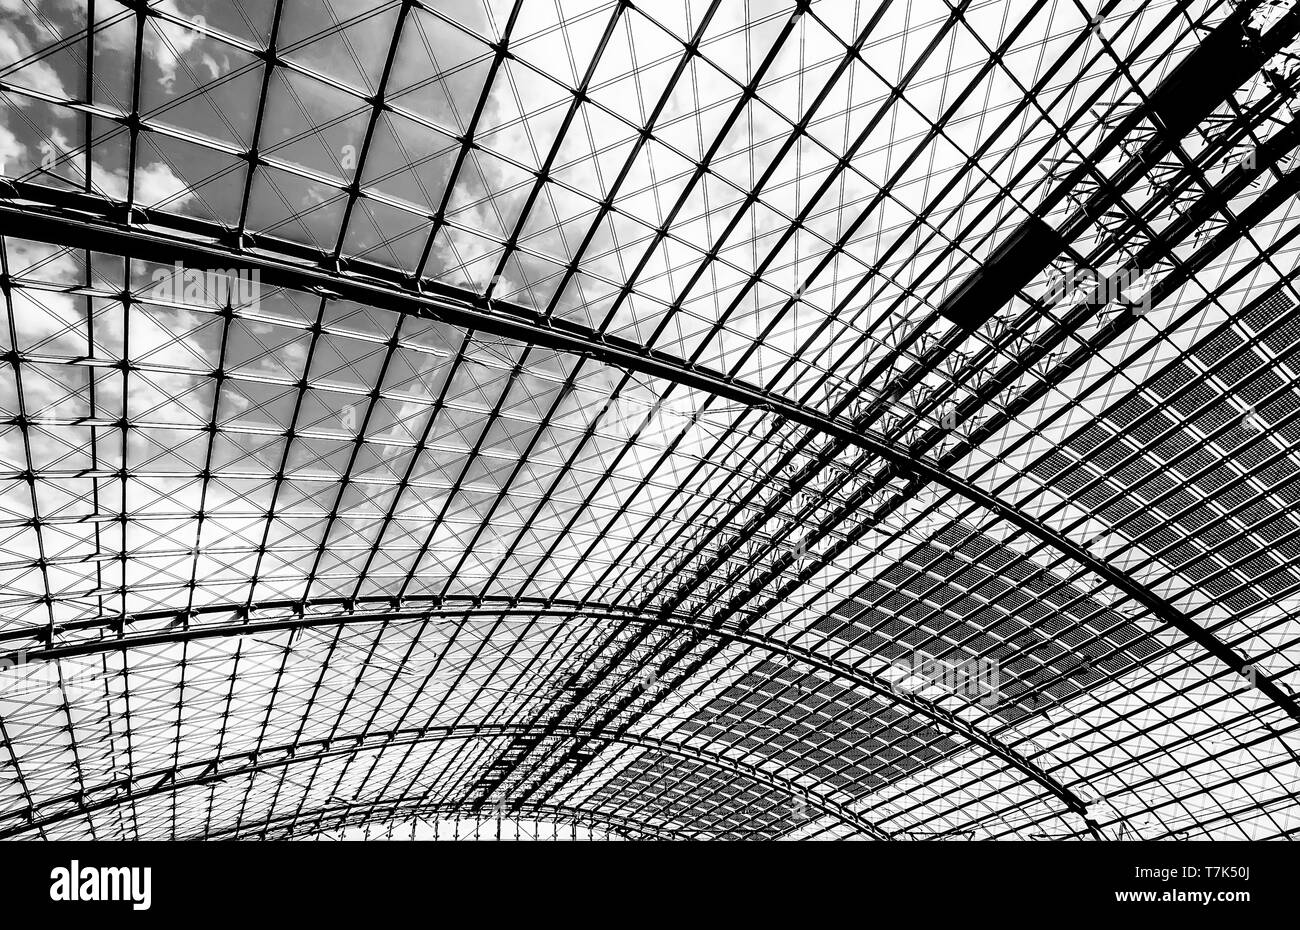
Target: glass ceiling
585, 413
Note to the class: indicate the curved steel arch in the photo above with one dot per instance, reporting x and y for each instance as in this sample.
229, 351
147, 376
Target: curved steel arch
564, 609
195, 774
354, 816
85, 222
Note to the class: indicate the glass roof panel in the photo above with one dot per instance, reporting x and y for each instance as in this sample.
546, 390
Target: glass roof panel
689, 419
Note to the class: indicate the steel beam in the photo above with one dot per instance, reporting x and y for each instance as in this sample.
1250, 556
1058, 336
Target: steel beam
61, 224
454, 608
360, 813
82, 222
135, 788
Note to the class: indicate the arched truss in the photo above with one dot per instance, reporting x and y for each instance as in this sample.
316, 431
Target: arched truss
294, 617
343, 816
844, 475
102, 797
61, 228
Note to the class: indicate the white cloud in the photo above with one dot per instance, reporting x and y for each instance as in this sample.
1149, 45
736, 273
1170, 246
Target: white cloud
154, 183
167, 43
108, 182
11, 151
215, 68
37, 75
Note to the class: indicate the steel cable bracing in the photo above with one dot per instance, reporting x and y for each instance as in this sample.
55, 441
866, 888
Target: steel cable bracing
631, 418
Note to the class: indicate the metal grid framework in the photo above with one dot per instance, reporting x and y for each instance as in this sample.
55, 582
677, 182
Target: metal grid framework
576, 413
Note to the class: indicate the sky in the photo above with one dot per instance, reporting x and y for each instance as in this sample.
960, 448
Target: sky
489, 467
